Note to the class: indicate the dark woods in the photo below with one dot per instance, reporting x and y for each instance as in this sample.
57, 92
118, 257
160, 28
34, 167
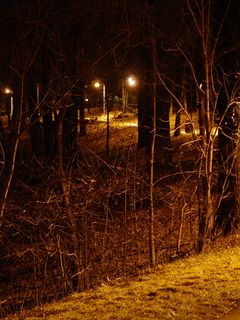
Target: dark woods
85, 196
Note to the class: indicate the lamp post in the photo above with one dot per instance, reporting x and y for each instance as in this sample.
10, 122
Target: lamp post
9, 94
99, 85
130, 81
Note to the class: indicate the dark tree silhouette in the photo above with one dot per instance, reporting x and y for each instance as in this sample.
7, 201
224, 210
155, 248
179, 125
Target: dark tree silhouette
228, 114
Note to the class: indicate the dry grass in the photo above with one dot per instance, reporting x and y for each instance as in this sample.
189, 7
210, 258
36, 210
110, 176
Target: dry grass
199, 287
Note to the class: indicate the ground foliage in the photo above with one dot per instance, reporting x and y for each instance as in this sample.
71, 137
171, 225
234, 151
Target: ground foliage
110, 200
198, 287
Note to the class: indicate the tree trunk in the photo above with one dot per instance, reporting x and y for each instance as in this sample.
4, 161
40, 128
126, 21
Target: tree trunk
13, 153
82, 119
81, 111
228, 210
206, 216
36, 134
144, 116
177, 128
152, 257
70, 127
49, 131
66, 189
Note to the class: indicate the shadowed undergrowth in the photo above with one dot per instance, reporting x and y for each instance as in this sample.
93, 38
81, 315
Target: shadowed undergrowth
110, 199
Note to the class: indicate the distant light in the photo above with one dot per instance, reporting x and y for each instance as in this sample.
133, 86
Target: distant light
97, 84
131, 81
86, 99
7, 90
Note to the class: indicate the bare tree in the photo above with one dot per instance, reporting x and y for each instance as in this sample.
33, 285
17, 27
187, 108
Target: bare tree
207, 81
19, 66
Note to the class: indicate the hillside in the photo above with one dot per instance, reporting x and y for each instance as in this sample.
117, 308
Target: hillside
196, 288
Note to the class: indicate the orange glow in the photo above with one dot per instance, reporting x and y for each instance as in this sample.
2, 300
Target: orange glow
97, 84
131, 81
7, 90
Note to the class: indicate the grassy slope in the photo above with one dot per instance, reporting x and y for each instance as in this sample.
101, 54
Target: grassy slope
202, 287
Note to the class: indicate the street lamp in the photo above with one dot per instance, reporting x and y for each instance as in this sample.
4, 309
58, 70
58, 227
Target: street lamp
9, 93
130, 81
99, 85
7, 90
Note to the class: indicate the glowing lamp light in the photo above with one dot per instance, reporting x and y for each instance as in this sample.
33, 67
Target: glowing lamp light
131, 81
97, 84
7, 91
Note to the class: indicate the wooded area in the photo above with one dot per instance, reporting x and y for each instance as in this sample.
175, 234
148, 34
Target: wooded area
83, 199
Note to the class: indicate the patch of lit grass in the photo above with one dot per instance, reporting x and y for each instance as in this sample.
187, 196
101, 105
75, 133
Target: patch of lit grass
200, 287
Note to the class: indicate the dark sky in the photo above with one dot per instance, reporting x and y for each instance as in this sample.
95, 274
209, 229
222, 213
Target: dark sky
100, 30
